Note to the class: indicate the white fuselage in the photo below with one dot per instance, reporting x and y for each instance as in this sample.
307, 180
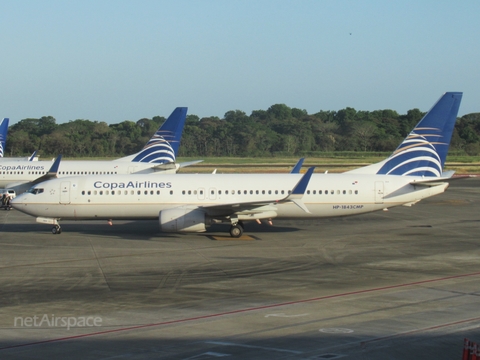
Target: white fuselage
14, 174
143, 196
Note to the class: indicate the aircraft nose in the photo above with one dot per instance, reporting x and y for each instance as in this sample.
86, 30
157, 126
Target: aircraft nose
17, 201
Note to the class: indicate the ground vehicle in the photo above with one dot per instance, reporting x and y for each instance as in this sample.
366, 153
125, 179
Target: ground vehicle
10, 192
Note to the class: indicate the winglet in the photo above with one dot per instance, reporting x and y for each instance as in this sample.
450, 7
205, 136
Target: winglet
297, 167
301, 186
54, 168
32, 157
51, 174
297, 193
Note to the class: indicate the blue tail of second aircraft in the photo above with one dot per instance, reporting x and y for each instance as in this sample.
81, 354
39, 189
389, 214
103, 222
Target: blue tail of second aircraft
163, 146
424, 150
3, 135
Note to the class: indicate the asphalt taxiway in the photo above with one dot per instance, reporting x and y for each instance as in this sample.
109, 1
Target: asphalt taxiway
401, 284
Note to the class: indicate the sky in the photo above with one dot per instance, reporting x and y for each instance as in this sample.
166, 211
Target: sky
117, 60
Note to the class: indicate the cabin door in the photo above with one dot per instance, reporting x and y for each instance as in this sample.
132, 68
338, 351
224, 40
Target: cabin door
379, 192
65, 192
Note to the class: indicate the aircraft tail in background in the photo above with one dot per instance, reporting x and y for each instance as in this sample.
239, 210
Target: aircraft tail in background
424, 150
163, 146
3, 135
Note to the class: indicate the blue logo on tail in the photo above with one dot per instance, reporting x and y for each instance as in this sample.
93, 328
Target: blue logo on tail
424, 150
417, 155
163, 146
157, 150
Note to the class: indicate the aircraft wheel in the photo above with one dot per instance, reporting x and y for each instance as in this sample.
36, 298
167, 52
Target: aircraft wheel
236, 231
56, 230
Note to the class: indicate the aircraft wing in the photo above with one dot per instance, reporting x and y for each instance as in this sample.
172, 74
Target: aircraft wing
253, 207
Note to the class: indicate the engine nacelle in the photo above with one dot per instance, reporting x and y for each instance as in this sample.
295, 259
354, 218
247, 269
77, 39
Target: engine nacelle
182, 219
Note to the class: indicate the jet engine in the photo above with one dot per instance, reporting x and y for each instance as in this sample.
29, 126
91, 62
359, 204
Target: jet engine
183, 219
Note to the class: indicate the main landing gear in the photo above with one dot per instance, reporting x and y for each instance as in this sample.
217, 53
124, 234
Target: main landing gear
236, 230
56, 230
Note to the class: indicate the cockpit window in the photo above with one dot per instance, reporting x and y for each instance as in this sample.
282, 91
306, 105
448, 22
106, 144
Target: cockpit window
35, 191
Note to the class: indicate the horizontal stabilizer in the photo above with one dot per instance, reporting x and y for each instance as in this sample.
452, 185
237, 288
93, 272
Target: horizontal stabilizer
188, 163
439, 181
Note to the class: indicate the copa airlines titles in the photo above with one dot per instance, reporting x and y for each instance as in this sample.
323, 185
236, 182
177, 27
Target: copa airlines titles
132, 185
22, 167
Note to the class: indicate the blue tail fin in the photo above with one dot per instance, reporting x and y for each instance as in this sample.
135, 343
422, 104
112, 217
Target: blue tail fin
163, 146
3, 135
424, 150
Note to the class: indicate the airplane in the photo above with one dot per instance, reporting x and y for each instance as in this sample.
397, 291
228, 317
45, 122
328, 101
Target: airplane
3, 135
3, 141
191, 202
158, 155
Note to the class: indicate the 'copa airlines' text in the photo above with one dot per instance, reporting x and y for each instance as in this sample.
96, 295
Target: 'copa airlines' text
132, 185
22, 167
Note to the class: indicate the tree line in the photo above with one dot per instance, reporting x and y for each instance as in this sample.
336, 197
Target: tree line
277, 131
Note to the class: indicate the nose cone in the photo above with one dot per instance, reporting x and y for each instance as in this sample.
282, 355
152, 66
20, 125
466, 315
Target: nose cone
17, 200
19, 203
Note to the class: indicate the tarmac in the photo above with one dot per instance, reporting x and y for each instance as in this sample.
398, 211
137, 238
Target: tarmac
400, 284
